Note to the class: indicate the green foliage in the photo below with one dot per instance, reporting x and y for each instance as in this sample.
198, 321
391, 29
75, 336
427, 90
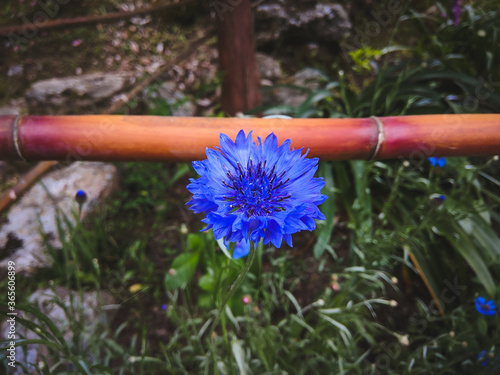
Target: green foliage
408, 88
184, 265
363, 57
145, 185
76, 262
470, 47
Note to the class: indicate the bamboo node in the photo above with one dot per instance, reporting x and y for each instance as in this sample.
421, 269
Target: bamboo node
15, 138
380, 137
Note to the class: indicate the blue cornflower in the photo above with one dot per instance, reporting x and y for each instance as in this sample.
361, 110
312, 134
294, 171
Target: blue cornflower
251, 192
81, 197
485, 308
437, 162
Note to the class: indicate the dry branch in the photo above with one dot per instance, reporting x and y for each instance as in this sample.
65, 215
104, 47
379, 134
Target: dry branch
82, 21
25, 182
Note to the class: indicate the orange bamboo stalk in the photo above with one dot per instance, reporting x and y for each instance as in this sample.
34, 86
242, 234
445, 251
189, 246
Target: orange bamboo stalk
153, 138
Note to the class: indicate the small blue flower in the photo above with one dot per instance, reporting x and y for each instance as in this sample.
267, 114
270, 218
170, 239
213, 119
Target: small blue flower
164, 307
481, 356
485, 308
437, 162
251, 192
437, 199
81, 197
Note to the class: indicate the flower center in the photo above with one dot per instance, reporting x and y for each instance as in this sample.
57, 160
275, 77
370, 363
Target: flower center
255, 190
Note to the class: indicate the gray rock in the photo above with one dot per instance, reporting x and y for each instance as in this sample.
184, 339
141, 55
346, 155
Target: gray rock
14, 108
95, 309
70, 94
306, 78
269, 68
277, 19
185, 109
20, 239
15, 70
179, 103
168, 91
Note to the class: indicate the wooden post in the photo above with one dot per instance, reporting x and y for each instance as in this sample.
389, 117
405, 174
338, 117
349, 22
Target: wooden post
240, 85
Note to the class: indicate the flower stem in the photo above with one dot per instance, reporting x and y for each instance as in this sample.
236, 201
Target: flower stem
234, 286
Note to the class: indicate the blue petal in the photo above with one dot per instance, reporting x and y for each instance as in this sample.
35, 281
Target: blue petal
242, 249
480, 300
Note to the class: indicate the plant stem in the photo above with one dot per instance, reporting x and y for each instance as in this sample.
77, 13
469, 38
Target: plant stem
234, 286
226, 341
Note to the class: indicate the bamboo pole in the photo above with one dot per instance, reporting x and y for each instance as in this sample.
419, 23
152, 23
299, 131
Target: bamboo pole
154, 138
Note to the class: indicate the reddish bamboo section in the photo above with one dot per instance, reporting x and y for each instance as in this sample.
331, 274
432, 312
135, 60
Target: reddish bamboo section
153, 138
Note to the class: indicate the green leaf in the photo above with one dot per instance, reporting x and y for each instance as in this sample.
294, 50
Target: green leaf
362, 205
45, 319
294, 302
207, 282
427, 270
314, 98
206, 300
460, 241
182, 270
239, 356
479, 230
194, 242
482, 326
328, 209
339, 325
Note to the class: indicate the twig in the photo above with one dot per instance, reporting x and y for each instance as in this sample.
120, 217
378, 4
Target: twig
26, 181
82, 21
